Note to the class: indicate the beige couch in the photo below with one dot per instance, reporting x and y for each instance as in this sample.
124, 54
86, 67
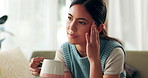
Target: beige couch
139, 60
14, 64
136, 59
46, 54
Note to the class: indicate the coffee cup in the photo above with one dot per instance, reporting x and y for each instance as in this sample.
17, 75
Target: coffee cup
52, 69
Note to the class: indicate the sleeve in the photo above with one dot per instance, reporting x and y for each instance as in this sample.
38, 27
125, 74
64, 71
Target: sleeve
59, 56
115, 62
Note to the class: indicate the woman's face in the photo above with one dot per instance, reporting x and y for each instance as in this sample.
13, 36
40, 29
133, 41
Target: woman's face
78, 23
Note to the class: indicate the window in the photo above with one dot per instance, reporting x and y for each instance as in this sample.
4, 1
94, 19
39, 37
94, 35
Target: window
128, 21
33, 23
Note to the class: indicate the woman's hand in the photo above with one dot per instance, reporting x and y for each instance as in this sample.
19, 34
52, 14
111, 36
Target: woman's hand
93, 52
93, 44
35, 65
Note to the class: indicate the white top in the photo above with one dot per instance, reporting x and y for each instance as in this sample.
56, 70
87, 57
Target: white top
114, 64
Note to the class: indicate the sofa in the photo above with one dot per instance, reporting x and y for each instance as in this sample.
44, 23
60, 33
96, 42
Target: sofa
139, 61
14, 64
136, 61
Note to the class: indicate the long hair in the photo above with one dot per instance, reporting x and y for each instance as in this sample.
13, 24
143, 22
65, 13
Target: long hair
97, 9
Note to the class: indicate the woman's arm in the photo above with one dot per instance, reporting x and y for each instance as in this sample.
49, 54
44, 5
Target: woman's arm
95, 69
67, 75
111, 76
93, 54
93, 51
114, 64
96, 73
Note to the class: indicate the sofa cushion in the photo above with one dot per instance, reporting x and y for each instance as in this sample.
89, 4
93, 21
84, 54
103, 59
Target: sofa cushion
13, 64
138, 60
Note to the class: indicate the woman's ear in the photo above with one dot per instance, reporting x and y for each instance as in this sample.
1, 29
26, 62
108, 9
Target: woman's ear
100, 28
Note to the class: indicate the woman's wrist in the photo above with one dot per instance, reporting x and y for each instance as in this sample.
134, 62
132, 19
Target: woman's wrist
95, 69
95, 61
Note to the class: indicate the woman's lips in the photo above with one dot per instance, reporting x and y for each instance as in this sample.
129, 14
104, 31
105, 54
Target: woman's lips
72, 36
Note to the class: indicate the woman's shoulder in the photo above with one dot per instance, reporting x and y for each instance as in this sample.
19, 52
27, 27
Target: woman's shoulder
110, 42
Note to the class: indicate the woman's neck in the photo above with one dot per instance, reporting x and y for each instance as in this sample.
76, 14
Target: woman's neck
81, 49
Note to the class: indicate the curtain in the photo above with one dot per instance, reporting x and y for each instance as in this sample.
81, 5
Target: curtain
128, 21
33, 23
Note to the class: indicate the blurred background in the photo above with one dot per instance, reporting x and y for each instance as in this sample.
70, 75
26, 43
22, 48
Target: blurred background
40, 24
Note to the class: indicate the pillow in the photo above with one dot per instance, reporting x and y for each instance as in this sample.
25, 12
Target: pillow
13, 64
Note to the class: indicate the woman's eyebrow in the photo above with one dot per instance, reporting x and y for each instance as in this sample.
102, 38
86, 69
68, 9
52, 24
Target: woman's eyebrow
79, 18
70, 14
83, 19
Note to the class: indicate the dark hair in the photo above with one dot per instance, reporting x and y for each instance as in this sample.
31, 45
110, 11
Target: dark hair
97, 9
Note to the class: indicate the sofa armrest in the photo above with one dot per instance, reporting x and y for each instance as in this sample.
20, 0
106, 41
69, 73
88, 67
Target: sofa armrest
45, 54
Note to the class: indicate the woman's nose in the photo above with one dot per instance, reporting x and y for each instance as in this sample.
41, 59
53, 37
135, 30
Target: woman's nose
72, 26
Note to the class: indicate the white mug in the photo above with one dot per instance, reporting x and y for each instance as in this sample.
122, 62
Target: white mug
52, 69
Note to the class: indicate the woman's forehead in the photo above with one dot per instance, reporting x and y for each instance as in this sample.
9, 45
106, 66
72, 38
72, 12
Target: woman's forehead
79, 11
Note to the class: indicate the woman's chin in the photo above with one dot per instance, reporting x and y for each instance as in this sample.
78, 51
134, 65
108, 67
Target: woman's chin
75, 42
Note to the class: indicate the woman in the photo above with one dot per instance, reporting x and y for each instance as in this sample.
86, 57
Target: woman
89, 52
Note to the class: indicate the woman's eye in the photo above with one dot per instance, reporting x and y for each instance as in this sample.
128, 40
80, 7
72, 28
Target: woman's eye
83, 23
69, 18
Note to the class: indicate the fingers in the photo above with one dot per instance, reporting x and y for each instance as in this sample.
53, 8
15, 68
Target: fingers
38, 59
34, 65
87, 38
91, 32
35, 62
35, 71
94, 33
